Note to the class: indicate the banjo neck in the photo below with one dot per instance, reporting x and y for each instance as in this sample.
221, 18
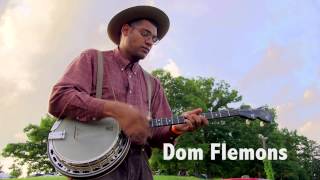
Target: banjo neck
260, 113
181, 120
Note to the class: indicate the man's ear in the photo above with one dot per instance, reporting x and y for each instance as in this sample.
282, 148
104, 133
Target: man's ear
125, 29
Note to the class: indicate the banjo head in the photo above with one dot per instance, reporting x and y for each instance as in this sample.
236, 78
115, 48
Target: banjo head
86, 150
86, 142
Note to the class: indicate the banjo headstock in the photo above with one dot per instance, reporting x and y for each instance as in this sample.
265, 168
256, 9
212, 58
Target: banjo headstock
260, 113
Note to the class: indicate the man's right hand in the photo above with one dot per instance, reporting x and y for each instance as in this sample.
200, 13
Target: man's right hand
132, 122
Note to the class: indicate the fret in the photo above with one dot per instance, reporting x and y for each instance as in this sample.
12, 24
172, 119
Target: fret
181, 120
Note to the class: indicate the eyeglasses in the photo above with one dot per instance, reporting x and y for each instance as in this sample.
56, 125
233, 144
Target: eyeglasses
147, 35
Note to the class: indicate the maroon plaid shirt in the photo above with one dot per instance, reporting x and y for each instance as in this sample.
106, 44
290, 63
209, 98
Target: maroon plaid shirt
74, 95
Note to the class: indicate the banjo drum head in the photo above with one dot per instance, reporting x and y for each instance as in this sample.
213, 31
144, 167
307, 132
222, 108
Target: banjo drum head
86, 141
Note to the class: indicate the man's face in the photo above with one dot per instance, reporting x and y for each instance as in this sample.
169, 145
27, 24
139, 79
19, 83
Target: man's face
138, 38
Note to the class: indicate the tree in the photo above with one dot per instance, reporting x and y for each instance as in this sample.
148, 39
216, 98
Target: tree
15, 171
33, 152
184, 94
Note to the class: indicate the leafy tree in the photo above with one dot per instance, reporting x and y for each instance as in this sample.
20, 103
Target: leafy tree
184, 94
33, 152
15, 171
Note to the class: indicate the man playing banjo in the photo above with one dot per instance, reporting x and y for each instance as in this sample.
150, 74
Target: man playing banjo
124, 90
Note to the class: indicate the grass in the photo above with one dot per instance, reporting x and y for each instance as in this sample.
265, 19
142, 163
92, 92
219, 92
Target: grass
155, 178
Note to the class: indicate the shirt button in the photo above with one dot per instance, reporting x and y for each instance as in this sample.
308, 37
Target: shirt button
130, 92
135, 73
122, 69
94, 118
129, 76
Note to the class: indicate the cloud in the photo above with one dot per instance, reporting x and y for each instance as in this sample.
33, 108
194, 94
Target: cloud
275, 62
311, 128
172, 68
192, 8
150, 2
36, 44
285, 117
27, 31
21, 137
311, 95
302, 113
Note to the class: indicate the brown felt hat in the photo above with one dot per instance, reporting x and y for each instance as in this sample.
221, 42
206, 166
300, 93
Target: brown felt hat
134, 13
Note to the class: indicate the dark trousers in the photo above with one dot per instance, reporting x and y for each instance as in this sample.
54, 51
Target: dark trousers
134, 167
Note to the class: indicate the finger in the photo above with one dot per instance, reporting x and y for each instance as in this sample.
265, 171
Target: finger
190, 125
192, 120
195, 111
148, 117
204, 121
198, 121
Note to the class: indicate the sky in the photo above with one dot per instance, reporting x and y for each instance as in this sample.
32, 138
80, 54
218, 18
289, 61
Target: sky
268, 50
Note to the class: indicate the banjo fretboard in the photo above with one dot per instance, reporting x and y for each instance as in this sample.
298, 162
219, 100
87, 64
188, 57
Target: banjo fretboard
181, 120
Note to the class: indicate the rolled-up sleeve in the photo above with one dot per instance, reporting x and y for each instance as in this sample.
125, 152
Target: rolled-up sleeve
161, 109
70, 97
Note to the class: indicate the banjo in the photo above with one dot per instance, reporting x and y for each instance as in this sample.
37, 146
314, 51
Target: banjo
91, 149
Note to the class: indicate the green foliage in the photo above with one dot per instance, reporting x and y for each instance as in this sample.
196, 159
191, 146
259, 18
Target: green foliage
15, 171
33, 152
155, 177
268, 169
184, 94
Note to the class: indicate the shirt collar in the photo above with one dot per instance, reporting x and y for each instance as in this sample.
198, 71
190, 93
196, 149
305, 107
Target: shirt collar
124, 63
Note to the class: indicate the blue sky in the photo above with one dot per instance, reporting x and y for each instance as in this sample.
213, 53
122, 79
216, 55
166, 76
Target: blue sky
267, 50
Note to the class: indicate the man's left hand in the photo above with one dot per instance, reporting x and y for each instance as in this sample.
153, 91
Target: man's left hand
193, 121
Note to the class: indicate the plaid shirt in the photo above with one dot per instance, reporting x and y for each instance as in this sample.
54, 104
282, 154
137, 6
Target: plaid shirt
74, 95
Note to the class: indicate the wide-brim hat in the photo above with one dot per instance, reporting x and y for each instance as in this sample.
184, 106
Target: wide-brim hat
134, 13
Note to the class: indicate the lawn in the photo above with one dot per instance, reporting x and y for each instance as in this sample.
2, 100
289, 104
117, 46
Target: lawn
155, 178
